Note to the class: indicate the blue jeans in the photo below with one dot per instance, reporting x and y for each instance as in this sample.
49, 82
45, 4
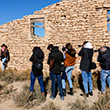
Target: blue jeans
40, 80
54, 76
68, 71
87, 77
105, 75
3, 66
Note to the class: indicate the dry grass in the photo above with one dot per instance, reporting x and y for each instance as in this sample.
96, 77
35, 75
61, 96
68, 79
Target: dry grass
21, 99
103, 103
11, 75
1, 87
47, 84
49, 106
96, 80
79, 105
5, 90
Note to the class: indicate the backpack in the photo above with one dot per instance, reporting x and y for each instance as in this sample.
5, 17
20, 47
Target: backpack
37, 68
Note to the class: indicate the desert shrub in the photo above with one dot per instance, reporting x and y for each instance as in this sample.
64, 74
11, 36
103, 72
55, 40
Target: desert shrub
103, 102
11, 75
49, 106
7, 90
21, 99
96, 80
47, 83
79, 105
1, 87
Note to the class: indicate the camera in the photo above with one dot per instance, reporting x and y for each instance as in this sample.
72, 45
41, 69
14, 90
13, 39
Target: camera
80, 45
64, 49
97, 50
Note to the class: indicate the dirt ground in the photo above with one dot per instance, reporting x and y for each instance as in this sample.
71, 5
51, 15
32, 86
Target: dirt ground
8, 103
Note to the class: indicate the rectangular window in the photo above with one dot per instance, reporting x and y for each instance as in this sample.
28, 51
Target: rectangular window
37, 27
108, 20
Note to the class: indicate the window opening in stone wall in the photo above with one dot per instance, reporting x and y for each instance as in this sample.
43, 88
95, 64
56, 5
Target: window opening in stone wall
37, 27
108, 20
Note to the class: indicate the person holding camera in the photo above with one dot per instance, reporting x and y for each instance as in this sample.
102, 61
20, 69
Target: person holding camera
104, 60
4, 56
86, 54
37, 66
69, 63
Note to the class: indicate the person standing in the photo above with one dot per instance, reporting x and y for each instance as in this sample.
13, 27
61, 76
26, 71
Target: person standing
69, 62
104, 60
37, 66
4, 56
57, 58
50, 46
86, 54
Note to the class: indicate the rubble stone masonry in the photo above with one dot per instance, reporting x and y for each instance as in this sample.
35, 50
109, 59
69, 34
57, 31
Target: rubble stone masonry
71, 21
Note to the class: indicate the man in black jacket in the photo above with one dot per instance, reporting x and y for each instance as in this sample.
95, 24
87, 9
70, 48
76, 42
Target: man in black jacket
104, 59
55, 70
86, 52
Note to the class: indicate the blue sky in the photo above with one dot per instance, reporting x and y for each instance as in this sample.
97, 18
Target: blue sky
16, 9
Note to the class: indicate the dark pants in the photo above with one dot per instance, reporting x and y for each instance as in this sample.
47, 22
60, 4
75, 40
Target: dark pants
58, 77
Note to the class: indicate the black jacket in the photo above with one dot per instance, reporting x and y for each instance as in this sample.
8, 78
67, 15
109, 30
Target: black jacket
58, 58
104, 59
37, 57
86, 59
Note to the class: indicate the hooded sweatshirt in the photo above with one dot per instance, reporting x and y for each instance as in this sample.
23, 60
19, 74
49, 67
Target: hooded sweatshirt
86, 53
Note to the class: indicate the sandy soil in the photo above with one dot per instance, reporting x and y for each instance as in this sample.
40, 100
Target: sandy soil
8, 103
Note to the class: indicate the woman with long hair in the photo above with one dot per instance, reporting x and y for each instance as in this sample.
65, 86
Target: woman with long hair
69, 62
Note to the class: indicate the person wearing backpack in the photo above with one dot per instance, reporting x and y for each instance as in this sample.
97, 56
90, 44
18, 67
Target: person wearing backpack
69, 63
4, 56
57, 57
37, 66
86, 54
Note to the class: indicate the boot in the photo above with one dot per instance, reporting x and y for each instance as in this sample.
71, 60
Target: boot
64, 92
71, 91
91, 93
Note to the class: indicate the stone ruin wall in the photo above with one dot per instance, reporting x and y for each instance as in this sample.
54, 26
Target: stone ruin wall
71, 21
17, 36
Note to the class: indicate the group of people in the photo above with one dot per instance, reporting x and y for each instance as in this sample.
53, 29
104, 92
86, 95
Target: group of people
67, 57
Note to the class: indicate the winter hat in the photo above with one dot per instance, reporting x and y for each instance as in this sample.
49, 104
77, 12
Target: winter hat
88, 45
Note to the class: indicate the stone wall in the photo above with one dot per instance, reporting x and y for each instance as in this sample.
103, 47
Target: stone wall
71, 21
17, 36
